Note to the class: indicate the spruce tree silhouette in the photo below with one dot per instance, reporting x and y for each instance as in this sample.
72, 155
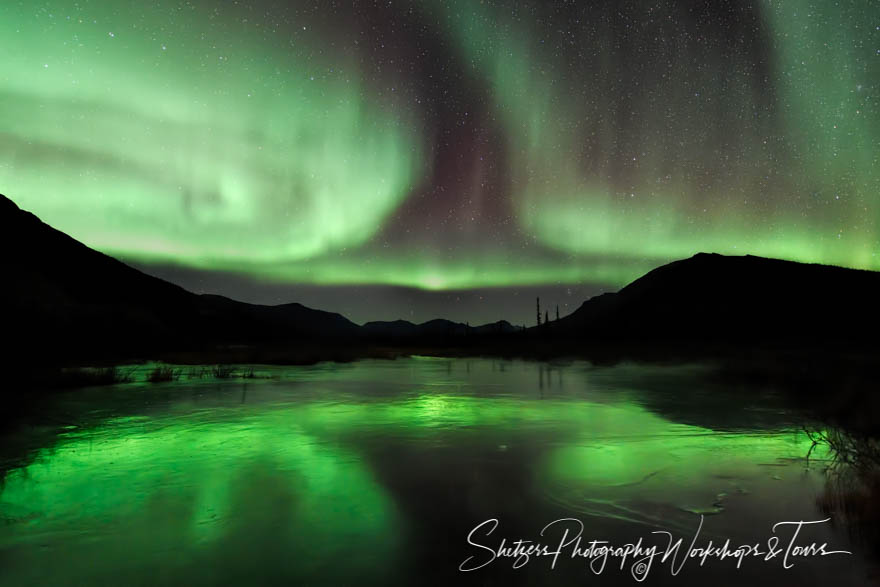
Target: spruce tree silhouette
538, 305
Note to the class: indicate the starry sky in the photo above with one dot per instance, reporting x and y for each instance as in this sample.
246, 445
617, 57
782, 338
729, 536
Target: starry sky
443, 158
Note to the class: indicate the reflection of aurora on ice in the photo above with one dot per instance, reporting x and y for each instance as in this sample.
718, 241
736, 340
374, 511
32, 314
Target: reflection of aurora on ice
202, 484
294, 468
659, 480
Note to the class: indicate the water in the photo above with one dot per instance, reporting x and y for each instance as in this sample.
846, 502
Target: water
376, 472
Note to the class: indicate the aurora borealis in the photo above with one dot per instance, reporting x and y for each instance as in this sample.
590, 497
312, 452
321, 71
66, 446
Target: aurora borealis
445, 145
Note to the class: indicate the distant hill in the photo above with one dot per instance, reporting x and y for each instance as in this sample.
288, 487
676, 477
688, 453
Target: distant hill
739, 300
402, 330
62, 298
499, 327
64, 301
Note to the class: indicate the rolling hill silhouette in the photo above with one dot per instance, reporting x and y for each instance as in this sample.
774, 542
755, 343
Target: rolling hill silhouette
402, 330
738, 300
63, 301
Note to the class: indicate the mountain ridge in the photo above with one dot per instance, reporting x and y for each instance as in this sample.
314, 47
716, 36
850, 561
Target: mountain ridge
738, 298
67, 301
78, 295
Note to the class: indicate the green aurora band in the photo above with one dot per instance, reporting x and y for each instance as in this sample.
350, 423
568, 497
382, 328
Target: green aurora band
701, 176
203, 137
175, 149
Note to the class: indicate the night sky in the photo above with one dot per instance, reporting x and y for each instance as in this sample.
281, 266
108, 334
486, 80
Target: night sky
456, 159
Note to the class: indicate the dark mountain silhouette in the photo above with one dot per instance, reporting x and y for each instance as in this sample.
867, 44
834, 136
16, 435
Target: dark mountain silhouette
736, 300
65, 302
437, 326
499, 327
64, 299
403, 330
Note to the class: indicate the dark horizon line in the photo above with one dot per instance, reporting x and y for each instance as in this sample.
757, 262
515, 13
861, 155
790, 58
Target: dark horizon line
405, 288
